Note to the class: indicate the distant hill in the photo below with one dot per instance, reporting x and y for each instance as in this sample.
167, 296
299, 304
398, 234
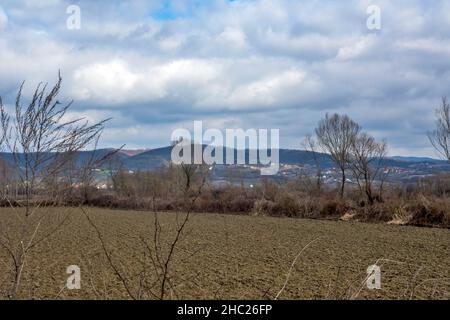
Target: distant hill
417, 159
160, 157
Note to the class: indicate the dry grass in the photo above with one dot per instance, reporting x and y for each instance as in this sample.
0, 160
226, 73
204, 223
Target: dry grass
231, 257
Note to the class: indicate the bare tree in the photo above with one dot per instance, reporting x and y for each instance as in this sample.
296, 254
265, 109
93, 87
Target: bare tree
156, 277
190, 173
367, 157
310, 145
115, 167
335, 135
84, 171
42, 141
440, 136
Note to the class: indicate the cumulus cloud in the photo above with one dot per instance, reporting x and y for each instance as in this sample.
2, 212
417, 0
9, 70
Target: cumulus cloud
154, 67
107, 82
117, 81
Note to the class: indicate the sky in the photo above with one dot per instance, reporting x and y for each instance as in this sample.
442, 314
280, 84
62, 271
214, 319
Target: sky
155, 66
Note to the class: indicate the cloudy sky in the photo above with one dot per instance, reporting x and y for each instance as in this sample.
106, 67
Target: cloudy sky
155, 66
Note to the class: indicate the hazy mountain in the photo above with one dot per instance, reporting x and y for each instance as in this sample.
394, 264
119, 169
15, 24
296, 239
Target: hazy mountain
160, 157
417, 159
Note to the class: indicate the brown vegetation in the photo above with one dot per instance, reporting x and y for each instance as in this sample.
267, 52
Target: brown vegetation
423, 204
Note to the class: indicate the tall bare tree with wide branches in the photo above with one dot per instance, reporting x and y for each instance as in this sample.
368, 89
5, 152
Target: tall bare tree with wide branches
367, 157
335, 134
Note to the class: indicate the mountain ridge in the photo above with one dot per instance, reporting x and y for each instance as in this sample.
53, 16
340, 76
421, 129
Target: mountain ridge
148, 159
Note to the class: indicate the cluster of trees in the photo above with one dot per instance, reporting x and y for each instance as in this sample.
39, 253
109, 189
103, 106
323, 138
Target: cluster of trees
352, 150
357, 151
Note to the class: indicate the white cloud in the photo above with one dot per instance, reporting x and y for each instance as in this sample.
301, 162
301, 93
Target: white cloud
359, 47
3, 19
117, 81
172, 43
104, 81
266, 92
233, 37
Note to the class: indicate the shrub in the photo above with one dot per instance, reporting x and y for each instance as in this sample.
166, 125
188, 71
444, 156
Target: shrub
426, 212
334, 208
263, 207
284, 205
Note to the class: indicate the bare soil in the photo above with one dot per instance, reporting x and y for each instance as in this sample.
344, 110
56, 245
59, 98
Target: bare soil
236, 257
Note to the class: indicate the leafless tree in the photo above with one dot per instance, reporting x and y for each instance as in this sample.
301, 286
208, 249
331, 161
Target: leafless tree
192, 172
115, 168
366, 161
42, 141
335, 135
310, 145
84, 171
156, 277
440, 136
40, 138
